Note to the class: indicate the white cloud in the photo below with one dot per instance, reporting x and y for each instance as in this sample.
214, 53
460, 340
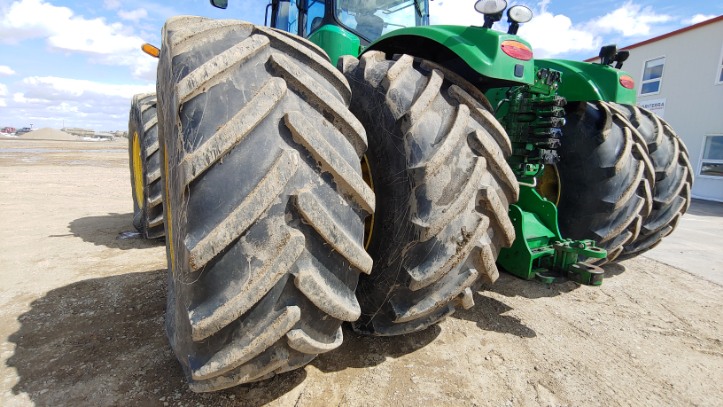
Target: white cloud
698, 18
21, 99
550, 34
456, 12
554, 34
6, 70
3, 93
53, 101
64, 30
133, 15
630, 20
111, 4
105, 43
78, 88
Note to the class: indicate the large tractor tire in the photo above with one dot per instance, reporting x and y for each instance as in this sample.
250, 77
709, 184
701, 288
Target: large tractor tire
265, 202
605, 178
673, 178
437, 162
145, 166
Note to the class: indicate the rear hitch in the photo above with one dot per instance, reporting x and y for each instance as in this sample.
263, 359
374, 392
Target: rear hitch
566, 266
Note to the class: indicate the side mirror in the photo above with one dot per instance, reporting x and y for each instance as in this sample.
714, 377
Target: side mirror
607, 54
621, 57
219, 3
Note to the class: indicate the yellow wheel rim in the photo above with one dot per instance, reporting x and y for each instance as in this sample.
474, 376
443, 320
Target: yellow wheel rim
549, 184
369, 221
137, 170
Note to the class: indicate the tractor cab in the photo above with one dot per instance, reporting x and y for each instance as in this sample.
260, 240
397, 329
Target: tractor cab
365, 19
343, 27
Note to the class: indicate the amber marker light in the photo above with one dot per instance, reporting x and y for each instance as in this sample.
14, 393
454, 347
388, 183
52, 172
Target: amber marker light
516, 50
151, 50
627, 82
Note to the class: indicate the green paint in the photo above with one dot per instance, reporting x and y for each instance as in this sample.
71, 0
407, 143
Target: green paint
480, 48
539, 250
584, 81
532, 116
336, 41
535, 231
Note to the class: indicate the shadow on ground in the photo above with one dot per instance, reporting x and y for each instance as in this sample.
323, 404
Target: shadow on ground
511, 286
359, 351
101, 342
488, 313
113, 230
613, 269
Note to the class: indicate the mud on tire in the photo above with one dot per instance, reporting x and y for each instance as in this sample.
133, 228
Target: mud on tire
145, 165
673, 178
437, 160
606, 177
265, 201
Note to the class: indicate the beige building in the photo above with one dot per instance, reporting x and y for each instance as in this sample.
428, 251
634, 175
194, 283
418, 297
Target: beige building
679, 76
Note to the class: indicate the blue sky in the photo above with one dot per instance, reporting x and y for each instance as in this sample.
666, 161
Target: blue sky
77, 63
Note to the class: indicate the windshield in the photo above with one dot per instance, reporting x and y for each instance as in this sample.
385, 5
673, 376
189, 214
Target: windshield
372, 19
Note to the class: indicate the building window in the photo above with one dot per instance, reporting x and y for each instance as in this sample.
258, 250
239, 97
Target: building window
719, 73
711, 163
652, 76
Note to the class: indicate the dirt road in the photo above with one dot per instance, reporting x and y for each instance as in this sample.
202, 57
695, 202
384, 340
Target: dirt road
81, 319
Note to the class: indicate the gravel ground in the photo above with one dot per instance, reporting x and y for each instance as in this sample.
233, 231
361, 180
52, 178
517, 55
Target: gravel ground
81, 319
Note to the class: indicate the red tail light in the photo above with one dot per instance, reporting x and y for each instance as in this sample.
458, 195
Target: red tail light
627, 82
516, 50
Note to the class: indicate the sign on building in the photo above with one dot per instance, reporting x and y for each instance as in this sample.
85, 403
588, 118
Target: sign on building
656, 106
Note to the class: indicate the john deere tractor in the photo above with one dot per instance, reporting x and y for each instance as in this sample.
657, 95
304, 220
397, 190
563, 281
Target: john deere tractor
297, 195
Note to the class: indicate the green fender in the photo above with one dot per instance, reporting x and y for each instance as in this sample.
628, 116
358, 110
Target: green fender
336, 41
584, 81
475, 53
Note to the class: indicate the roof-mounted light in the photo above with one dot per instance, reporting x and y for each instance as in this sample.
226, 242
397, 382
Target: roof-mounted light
519, 14
492, 10
516, 15
490, 6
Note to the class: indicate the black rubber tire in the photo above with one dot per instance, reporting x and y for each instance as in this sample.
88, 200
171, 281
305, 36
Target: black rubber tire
606, 178
673, 178
143, 123
437, 159
265, 200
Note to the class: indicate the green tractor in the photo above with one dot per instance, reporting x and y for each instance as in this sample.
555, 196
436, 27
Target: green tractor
297, 196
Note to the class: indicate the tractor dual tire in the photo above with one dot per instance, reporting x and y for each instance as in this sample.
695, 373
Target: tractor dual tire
265, 202
437, 162
606, 178
673, 178
145, 165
